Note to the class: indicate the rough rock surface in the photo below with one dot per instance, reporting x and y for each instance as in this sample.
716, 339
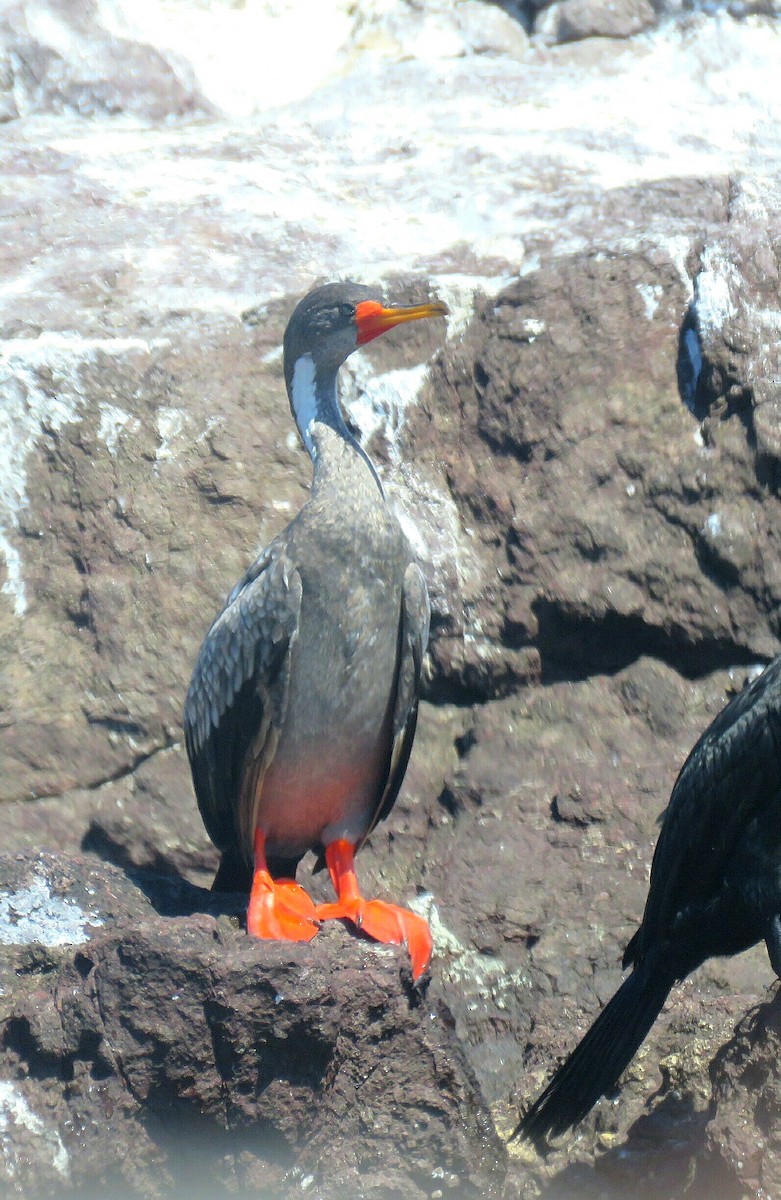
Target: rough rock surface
589, 469
573, 20
222, 1066
744, 1136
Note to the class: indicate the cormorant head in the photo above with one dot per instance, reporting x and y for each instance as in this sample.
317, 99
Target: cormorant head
332, 321
326, 326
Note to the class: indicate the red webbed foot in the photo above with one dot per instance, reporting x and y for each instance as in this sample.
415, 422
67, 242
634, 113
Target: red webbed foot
386, 923
279, 909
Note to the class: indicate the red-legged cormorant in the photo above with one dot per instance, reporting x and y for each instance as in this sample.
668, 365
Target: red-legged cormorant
301, 712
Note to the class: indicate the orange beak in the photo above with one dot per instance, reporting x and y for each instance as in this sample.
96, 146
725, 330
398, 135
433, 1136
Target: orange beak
371, 319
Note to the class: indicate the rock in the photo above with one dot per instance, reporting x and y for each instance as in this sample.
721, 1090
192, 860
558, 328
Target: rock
744, 1136
587, 466
615, 530
737, 283
53, 71
650, 1134
221, 1063
441, 31
572, 20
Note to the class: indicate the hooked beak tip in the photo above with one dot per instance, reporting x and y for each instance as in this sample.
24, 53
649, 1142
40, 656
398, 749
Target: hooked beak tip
372, 319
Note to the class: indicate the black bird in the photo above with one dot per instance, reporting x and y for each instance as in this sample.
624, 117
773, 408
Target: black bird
715, 889
301, 712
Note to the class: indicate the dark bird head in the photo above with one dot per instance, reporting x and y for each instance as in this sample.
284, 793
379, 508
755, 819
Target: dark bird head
326, 326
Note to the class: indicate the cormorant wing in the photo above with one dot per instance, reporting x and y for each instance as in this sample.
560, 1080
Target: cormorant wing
413, 639
237, 698
731, 774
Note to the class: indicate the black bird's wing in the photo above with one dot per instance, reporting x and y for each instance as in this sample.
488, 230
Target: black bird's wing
730, 777
413, 639
237, 698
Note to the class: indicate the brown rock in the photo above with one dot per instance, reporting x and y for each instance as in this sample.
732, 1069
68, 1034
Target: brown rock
625, 533
573, 20
744, 1135
53, 72
604, 568
220, 1064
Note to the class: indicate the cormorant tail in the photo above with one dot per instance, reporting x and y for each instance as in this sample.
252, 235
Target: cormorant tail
234, 873
598, 1060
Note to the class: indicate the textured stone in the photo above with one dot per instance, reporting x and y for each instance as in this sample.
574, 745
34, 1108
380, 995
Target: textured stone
588, 466
573, 20
744, 1135
222, 1064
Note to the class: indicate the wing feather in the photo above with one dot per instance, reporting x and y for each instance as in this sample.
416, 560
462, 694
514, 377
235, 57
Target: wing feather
237, 697
414, 623
731, 774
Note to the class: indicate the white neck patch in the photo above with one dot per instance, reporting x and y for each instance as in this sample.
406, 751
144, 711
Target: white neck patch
308, 408
304, 398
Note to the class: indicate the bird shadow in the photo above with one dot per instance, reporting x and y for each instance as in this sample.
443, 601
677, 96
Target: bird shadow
652, 1162
161, 880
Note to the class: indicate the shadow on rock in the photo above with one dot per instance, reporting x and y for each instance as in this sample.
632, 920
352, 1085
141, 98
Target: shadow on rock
166, 889
222, 1065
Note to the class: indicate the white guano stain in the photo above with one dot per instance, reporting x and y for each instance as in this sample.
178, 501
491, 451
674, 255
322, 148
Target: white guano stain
713, 526
15, 1113
650, 294
532, 328
34, 914
13, 584
27, 409
716, 289
379, 403
424, 508
429, 516
678, 247
721, 293
40, 392
461, 293
463, 965
112, 421
170, 423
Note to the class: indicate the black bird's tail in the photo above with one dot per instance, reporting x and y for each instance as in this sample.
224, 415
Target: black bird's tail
234, 873
598, 1060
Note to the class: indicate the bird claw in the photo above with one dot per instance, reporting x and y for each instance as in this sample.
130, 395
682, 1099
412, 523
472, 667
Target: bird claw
389, 924
280, 910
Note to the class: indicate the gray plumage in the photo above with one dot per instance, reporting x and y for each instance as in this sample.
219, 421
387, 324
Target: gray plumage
301, 712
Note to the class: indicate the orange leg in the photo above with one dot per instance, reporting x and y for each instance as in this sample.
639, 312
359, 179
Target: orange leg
278, 908
386, 923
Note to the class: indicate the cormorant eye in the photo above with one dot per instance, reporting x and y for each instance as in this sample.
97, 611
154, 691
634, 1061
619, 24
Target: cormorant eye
347, 311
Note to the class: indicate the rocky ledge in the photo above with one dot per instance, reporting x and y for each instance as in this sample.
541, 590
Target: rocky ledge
590, 466
149, 1048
